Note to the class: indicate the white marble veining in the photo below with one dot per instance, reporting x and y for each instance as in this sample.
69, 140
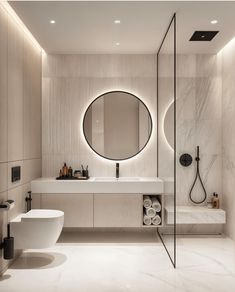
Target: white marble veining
195, 215
133, 262
198, 114
228, 138
199, 98
98, 185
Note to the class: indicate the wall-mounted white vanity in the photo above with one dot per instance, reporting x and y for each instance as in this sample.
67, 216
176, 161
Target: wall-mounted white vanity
98, 202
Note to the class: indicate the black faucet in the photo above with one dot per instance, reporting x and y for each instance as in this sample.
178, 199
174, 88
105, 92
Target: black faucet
117, 170
28, 201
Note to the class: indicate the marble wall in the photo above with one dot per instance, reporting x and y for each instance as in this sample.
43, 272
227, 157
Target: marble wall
20, 116
198, 121
70, 83
199, 100
228, 137
199, 113
199, 93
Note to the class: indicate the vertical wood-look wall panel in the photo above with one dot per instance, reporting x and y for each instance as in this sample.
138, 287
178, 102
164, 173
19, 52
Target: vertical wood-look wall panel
70, 83
32, 101
15, 91
20, 117
3, 86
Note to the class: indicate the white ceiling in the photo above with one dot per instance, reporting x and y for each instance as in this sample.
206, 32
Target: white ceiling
87, 27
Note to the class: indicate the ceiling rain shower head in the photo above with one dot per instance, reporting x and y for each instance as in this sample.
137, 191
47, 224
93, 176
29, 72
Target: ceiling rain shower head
203, 36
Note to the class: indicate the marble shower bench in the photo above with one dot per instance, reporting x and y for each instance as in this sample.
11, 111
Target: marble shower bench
195, 215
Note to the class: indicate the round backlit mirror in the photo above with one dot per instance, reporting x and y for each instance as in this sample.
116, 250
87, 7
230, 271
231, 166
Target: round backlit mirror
117, 125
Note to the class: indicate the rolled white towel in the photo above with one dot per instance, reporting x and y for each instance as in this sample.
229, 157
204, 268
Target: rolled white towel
156, 220
147, 220
156, 204
147, 202
150, 212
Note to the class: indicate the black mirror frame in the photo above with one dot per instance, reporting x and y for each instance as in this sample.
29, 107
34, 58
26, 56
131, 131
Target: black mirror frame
151, 122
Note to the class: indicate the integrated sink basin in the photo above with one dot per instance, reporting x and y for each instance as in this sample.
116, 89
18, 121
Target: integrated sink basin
103, 185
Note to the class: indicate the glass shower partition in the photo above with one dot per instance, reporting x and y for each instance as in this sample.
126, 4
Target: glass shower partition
166, 110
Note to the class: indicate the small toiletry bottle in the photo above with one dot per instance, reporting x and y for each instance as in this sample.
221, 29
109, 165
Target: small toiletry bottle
216, 202
65, 170
86, 172
61, 173
212, 199
70, 172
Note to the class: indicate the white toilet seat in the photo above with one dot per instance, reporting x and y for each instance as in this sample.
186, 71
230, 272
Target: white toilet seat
38, 228
39, 214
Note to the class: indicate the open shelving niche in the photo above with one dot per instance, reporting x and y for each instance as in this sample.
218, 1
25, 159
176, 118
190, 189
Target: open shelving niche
160, 197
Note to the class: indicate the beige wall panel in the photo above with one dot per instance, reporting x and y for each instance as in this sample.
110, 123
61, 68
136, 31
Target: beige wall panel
15, 92
70, 83
32, 169
3, 177
20, 116
32, 101
3, 86
117, 210
78, 208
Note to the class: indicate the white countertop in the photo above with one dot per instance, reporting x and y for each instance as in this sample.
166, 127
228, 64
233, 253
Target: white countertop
135, 185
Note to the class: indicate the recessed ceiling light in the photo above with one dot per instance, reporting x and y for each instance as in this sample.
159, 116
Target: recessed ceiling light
117, 21
214, 21
52, 21
117, 44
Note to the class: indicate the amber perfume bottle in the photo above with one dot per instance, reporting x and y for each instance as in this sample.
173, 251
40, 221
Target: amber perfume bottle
65, 170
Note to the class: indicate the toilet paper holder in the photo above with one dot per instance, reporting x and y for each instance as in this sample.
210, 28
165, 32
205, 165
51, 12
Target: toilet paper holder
7, 205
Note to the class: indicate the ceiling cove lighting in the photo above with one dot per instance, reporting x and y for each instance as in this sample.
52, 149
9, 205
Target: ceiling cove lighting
214, 21
117, 21
52, 21
228, 46
11, 13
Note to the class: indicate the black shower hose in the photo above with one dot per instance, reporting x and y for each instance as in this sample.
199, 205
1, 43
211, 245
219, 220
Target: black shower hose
198, 176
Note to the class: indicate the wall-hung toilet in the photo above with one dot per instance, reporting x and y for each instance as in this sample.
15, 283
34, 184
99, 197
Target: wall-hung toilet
38, 228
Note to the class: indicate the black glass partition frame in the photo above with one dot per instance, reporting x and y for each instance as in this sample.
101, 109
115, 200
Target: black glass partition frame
166, 152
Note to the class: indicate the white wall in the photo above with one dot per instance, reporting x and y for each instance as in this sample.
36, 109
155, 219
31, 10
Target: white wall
20, 116
70, 83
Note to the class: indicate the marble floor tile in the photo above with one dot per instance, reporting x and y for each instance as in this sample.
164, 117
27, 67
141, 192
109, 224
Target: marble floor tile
124, 262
